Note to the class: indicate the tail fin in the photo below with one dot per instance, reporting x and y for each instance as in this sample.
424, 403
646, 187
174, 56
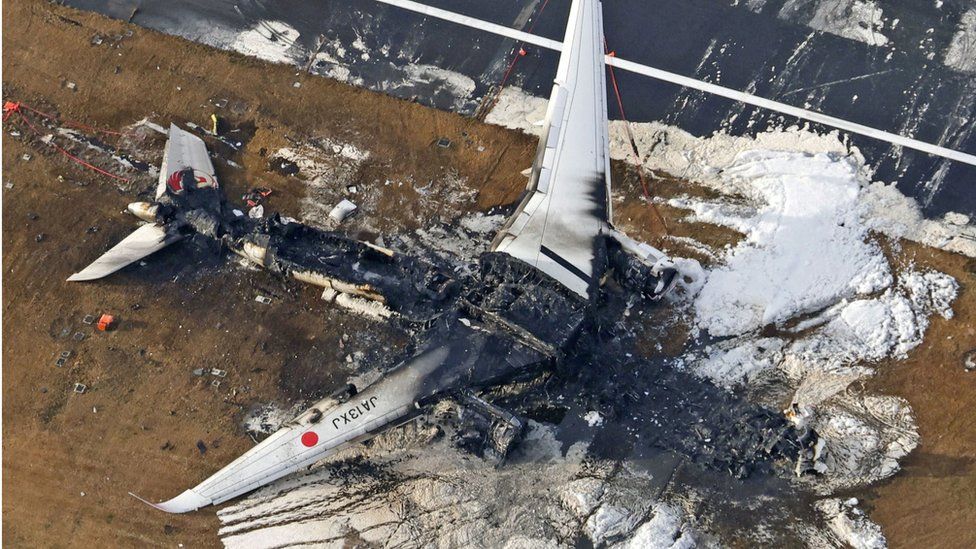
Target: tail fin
140, 243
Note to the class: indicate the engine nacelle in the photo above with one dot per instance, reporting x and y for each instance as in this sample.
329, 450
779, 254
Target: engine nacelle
664, 274
145, 211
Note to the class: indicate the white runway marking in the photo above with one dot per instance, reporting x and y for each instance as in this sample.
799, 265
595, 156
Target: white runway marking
475, 23
790, 110
693, 83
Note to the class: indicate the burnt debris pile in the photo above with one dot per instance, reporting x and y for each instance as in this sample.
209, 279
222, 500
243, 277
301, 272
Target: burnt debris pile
413, 289
191, 207
526, 301
663, 407
635, 275
673, 410
483, 429
508, 321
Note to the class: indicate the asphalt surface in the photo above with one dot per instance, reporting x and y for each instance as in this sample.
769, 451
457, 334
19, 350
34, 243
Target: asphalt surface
764, 46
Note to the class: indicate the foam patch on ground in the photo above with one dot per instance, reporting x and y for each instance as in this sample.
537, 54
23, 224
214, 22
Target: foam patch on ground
805, 247
849, 524
809, 267
414, 491
704, 159
860, 20
328, 168
961, 54
268, 418
272, 41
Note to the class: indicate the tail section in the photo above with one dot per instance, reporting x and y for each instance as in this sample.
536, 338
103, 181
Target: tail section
184, 151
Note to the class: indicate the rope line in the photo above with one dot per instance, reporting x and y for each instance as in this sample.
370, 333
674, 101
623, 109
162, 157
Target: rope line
520, 52
633, 142
11, 107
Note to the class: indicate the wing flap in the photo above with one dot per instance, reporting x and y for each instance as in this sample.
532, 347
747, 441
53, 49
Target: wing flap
143, 241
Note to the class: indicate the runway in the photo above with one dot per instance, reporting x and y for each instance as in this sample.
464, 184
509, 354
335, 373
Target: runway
900, 67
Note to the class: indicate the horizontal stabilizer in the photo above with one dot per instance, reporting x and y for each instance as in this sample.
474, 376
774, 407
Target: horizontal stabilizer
142, 242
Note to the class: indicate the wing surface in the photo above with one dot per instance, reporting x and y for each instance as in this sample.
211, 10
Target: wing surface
312, 436
566, 207
145, 240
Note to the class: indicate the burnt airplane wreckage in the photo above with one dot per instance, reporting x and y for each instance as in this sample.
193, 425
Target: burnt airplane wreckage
543, 299
505, 321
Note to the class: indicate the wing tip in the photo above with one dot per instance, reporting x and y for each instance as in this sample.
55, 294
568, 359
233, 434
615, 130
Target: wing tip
91, 272
147, 502
144, 241
183, 503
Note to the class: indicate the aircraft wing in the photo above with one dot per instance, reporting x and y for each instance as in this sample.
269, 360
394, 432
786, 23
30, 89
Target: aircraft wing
567, 207
184, 150
457, 356
323, 429
143, 241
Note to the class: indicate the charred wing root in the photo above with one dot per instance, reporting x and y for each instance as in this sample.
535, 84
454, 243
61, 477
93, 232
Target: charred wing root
526, 302
636, 274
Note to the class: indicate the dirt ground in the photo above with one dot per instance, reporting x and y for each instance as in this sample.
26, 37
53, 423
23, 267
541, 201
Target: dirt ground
932, 501
70, 459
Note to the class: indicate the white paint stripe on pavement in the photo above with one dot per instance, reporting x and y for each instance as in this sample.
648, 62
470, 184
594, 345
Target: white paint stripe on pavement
696, 84
475, 23
790, 110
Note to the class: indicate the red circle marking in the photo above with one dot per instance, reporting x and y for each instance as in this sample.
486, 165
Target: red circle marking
310, 439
